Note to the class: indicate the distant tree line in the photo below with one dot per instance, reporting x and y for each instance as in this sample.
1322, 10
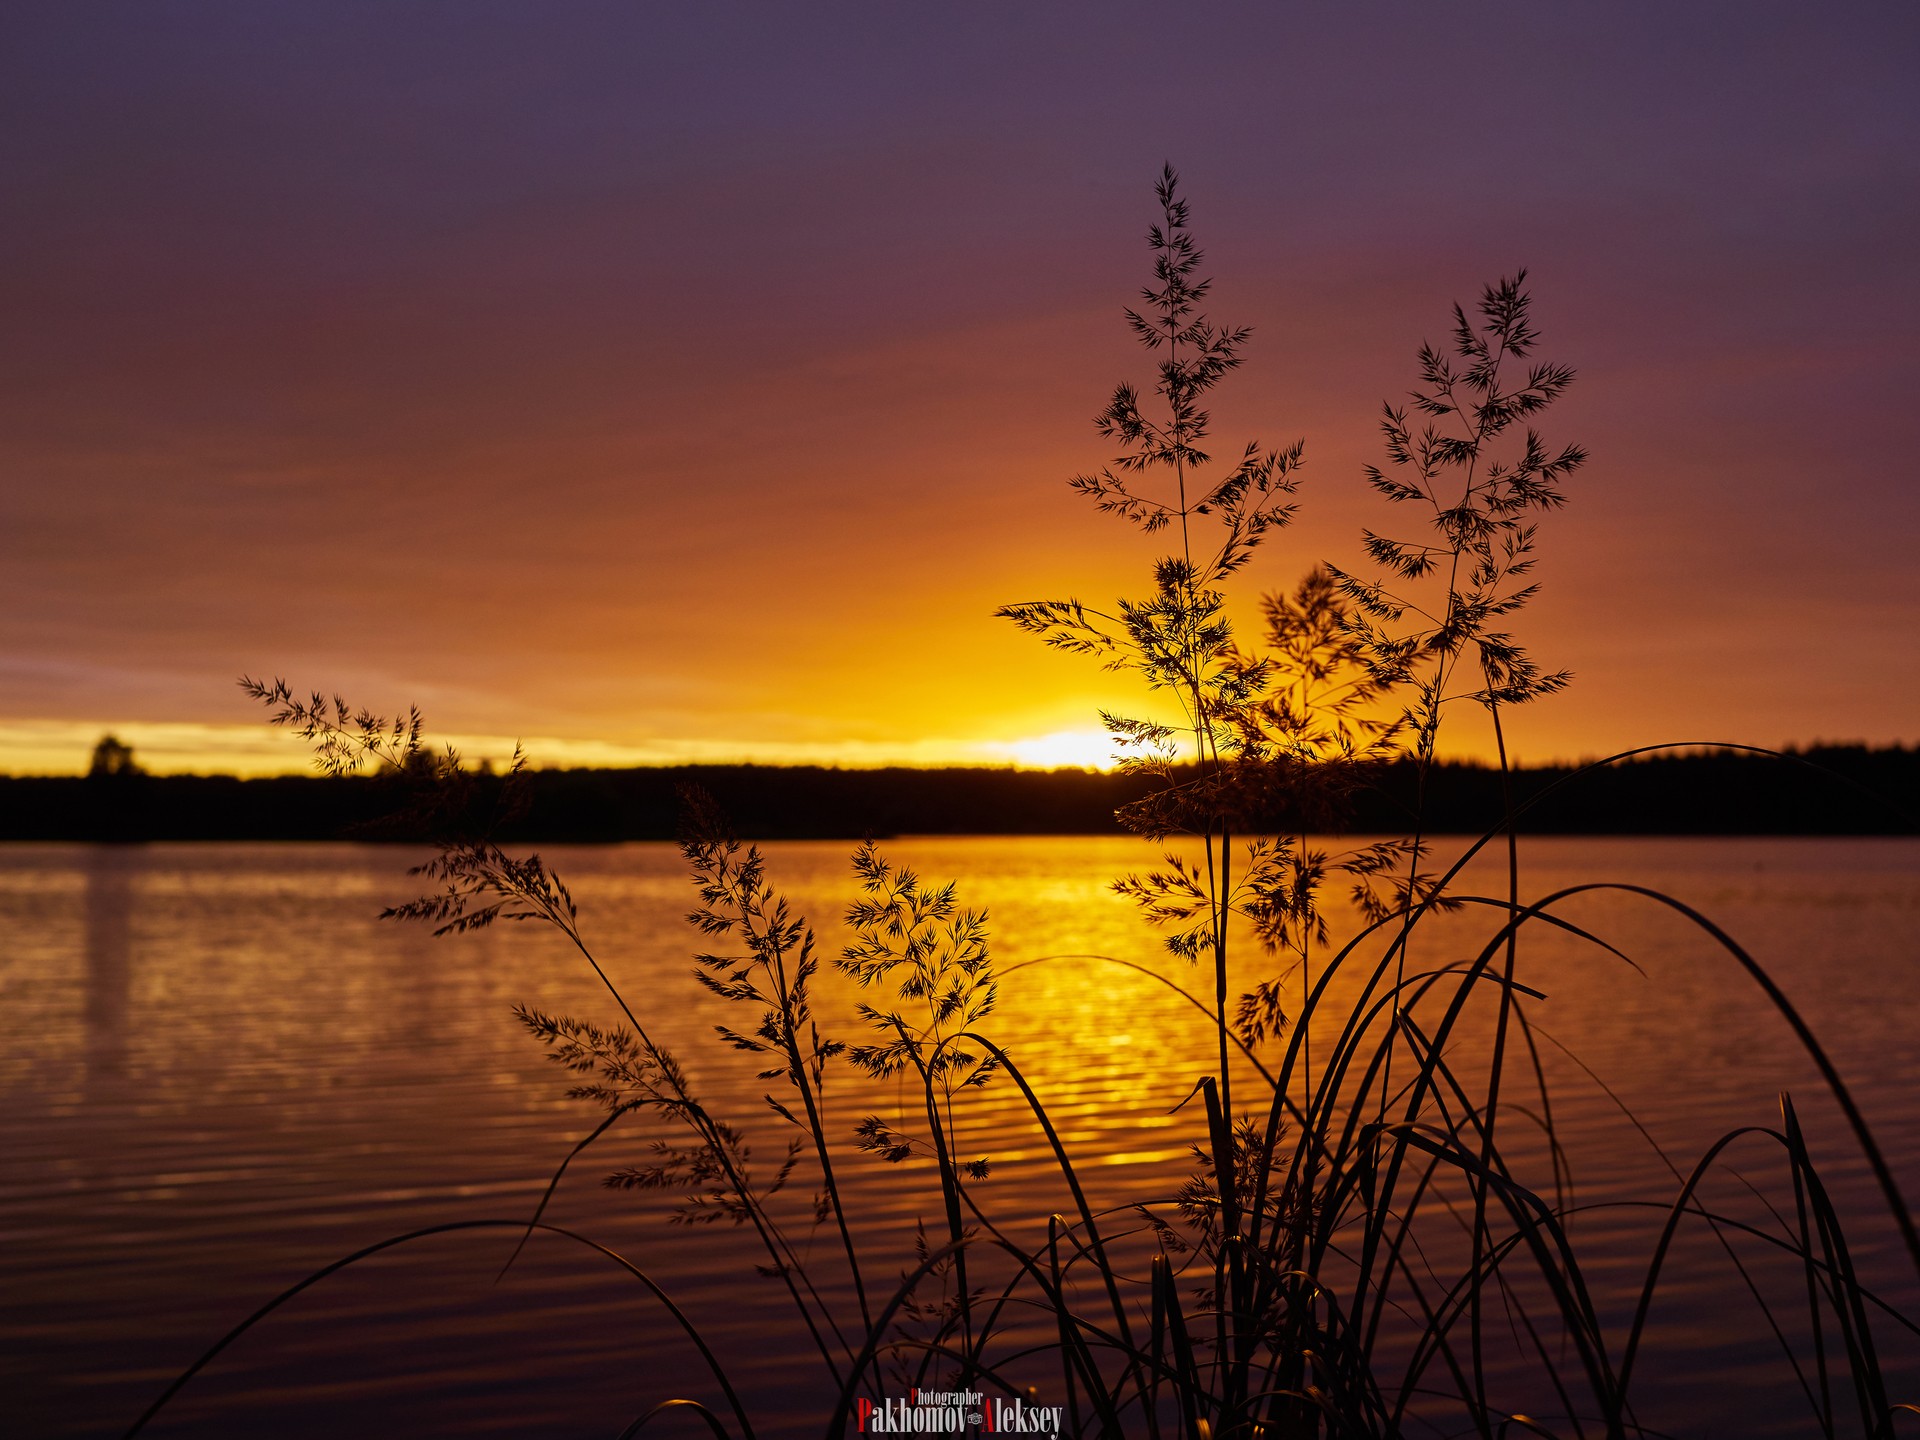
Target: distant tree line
1824, 790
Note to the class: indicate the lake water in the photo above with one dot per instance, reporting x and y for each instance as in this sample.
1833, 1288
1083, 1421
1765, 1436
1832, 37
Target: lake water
219, 1072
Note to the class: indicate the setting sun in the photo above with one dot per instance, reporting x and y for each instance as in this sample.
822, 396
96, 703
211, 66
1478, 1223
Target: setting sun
1084, 749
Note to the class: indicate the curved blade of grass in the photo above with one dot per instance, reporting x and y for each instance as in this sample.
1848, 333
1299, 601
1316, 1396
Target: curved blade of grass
1896, 1206
554, 1184
1555, 1262
687, 1326
1067, 1172
1857, 1334
713, 1421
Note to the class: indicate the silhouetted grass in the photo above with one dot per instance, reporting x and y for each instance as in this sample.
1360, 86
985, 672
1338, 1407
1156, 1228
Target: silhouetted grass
1380, 1235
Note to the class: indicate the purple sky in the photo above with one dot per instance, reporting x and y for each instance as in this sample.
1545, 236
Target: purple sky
656, 381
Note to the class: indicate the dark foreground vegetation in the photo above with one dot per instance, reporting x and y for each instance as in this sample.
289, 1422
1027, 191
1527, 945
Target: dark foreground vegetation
1825, 790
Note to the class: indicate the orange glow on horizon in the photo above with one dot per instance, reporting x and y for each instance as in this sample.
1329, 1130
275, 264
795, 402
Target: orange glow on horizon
63, 748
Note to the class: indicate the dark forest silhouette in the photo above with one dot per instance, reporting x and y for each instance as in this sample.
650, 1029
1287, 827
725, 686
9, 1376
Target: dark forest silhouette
1824, 790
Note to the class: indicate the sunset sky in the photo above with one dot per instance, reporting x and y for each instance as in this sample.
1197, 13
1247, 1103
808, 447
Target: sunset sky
657, 382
